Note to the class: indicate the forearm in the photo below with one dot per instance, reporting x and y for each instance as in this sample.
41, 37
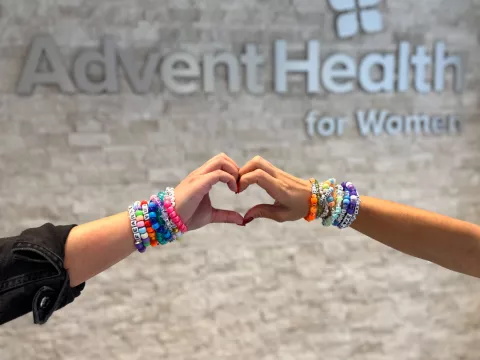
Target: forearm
96, 246
448, 242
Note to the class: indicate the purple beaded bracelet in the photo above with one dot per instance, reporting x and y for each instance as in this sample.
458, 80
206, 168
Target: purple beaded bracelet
353, 206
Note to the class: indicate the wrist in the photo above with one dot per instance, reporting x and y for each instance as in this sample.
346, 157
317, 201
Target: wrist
312, 200
335, 204
155, 222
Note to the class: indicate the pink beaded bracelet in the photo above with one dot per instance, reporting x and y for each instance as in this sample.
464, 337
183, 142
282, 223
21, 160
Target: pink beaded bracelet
172, 214
156, 221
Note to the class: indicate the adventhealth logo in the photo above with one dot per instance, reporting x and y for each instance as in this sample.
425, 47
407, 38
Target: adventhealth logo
409, 66
400, 70
355, 16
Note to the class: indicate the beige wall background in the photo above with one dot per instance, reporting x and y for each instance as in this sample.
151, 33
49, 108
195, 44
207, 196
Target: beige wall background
270, 291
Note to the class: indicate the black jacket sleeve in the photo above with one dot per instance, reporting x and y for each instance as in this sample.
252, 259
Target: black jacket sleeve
32, 275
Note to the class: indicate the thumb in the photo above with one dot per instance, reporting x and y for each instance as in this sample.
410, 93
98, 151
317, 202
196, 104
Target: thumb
226, 216
276, 213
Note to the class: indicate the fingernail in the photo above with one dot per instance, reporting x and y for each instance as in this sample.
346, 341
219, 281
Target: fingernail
238, 189
247, 221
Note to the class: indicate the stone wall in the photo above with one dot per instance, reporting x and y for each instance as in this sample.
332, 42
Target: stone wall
270, 291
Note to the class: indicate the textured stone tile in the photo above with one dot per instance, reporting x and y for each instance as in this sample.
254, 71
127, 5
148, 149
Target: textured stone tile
289, 291
88, 139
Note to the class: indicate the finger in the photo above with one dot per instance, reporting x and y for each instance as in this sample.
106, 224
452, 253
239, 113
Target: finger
226, 157
220, 161
259, 163
262, 179
214, 177
226, 216
273, 212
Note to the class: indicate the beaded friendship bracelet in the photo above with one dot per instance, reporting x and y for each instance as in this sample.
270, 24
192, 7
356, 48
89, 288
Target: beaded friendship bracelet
312, 215
136, 233
170, 206
155, 222
334, 204
169, 234
353, 207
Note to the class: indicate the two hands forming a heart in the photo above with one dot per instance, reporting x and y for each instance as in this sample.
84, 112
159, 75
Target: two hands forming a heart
193, 204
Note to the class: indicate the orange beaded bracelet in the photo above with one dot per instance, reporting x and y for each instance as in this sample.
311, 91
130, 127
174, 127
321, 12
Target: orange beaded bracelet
312, 214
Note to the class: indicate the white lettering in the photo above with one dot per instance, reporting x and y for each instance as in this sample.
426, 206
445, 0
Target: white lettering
210, 62
311, 67
442, 62
371, 123
339, 73
394, 125
386, 63
453, 125
140, 83
331, 73
44, 47
420, 62
375, 122
107, 60
171, 73
403, 77
310, 121
252, 60
417, 124
326, 126
341, 123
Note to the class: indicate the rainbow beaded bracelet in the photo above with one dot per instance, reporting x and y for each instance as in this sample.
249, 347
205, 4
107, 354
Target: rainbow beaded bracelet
334, 204
155, 222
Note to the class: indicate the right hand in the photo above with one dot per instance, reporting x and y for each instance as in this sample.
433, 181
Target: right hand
291, 194
192, 197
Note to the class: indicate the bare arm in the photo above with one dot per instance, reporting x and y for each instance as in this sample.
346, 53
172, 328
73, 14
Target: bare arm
96, 246
31, 274
448, 242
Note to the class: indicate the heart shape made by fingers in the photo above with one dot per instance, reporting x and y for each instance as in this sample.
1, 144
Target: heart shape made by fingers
194, 205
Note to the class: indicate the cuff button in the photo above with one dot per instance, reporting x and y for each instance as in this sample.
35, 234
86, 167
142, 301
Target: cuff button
45, 302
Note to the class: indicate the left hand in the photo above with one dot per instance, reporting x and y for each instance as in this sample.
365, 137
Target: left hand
192, 197
291, 194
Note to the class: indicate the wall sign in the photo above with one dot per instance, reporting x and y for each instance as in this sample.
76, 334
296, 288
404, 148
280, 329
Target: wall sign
408, 67
337, 73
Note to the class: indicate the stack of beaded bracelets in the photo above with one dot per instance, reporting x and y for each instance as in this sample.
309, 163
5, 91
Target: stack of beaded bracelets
155, 222
336, 205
